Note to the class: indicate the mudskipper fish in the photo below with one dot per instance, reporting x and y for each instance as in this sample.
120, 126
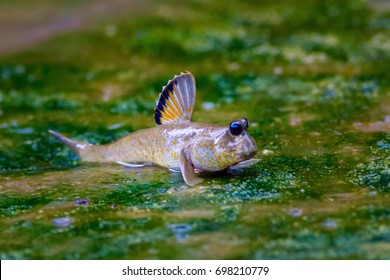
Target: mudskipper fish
176, 142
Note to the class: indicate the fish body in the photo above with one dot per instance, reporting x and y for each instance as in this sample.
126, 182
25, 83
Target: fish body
176, 142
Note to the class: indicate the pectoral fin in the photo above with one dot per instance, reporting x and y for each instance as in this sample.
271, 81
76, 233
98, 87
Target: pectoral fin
174, 170
134, 165
247, 163
187, 169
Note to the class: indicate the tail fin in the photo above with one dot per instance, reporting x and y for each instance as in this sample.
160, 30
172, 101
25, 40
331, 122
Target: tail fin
75, 146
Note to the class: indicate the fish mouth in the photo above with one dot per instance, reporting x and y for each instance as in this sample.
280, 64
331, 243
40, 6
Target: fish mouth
253, 153
247, 155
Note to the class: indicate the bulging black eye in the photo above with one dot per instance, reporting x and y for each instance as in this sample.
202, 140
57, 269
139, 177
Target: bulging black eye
236, 127
245, 122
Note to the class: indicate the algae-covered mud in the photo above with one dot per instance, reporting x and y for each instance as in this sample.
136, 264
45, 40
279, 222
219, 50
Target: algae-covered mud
312, 78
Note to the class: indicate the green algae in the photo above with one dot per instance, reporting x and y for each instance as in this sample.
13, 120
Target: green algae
376, 172
312, 81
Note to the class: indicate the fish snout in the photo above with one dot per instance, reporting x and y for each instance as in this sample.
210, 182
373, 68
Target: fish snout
252, 148
253, 153
247, 149
248, 152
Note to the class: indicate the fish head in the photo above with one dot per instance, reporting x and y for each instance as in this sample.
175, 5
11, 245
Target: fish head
235, 145
224, 147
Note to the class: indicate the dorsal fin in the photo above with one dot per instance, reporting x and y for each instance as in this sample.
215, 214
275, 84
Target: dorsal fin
177, 100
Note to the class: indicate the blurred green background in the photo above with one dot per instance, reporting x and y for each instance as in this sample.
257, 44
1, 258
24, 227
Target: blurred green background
312, 77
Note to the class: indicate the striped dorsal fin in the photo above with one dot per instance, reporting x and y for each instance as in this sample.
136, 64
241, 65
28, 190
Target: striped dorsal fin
176, 101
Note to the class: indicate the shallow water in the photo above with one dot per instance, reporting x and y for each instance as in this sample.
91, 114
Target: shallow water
313, 82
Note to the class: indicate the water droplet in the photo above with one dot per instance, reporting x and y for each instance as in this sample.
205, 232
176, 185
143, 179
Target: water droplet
329, 93
227, 187
181, 188
27, 130
295, 212
267, 152
27, 224
295, 121
115, 126
62, 222
278, 70
383, 144
329, 224
81, 202
208, 105
180, 231
371, 175
162, 190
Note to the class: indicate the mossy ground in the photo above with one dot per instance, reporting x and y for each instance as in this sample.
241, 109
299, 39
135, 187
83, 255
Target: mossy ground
313, 81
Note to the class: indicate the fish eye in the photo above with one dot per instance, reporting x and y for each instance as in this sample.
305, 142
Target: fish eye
236, 128
245, 122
